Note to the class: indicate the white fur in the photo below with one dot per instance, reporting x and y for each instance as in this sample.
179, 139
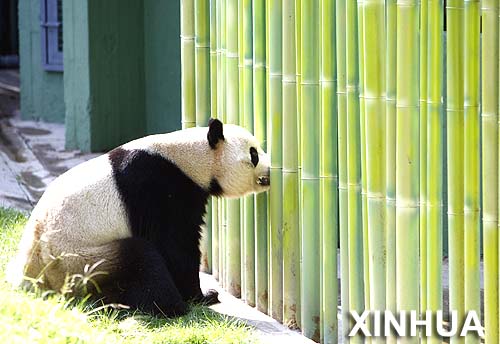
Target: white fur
81, 210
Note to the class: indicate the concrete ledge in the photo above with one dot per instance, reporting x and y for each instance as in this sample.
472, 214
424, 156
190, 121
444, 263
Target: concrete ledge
32, 154
267, 329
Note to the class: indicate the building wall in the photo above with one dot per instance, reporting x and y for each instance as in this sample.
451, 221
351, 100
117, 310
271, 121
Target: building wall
76, 75
42, 92
104, 73
122, 70
121, 76
162, 65
116, 71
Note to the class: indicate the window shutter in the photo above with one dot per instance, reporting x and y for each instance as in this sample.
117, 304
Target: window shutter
52, 34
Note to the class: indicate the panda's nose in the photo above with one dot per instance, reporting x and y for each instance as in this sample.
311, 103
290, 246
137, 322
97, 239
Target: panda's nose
264, 181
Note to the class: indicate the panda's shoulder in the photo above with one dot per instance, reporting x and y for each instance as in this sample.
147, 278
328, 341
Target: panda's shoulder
143, 167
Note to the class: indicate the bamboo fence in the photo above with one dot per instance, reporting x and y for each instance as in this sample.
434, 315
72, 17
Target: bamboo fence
381, 121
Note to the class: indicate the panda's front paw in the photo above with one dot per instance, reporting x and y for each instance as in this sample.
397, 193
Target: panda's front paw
210, 298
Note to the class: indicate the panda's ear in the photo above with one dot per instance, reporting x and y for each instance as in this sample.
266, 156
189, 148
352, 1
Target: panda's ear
214, 132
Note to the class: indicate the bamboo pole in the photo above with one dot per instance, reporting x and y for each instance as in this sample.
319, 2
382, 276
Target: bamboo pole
423, 159
291, 234
407, 158
202, 86
342, 163
355, 225
248, 265
241, 112
219, 115
233, 254
471, 161
490, 170
275, 138
435, 159
455, 154
214, 102
188, 103
202, 65
328, 175
362, 122
259, 103
298, 59
375, 96
223, 117
390, 169
310, 123
241, 84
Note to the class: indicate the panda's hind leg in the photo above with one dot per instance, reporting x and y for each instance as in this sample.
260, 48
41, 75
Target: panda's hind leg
139, 278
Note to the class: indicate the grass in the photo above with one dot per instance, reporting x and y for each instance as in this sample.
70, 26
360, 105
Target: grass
28, 317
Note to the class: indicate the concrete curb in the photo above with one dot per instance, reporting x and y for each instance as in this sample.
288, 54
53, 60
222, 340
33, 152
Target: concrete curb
267, 329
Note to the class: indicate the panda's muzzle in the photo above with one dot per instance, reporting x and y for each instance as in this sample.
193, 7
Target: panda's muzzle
264, 181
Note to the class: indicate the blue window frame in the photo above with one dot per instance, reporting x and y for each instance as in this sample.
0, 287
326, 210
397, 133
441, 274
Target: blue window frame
52, 34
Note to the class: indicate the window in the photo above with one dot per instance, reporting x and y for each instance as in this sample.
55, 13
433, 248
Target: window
52, 34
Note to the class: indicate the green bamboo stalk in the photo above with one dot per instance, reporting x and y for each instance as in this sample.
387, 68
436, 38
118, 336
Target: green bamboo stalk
202, 65
298, 53
435, 159
188, 103
455, 155
233, 254
342, 163
471, 161
375, 91
407, 157
390, 143
248, 265
275, 141
423, 159
298, 57
291, 234
223, 60
355, 225
241, 119
223, 242
328, 174
490, 170
241, 59
310, 123
362, 122
202, 86
214, 45
214, 96
223, 118
259, 103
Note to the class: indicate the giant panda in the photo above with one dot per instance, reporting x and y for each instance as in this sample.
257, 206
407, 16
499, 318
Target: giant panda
131, 217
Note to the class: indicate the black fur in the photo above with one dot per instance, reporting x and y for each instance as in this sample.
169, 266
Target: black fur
140, 279
254, 156
215, 189
215, 132
165, 209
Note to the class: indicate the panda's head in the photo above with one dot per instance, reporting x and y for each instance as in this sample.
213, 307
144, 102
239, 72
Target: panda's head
240, 164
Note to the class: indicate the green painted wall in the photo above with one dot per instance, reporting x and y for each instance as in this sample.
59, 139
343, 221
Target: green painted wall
76, 75
121, 70
162, 65
42, 93
104, 73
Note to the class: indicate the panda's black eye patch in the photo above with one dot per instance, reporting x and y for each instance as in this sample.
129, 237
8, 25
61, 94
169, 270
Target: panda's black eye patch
254, 156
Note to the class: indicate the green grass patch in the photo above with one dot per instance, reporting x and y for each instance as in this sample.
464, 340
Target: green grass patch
35, 317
